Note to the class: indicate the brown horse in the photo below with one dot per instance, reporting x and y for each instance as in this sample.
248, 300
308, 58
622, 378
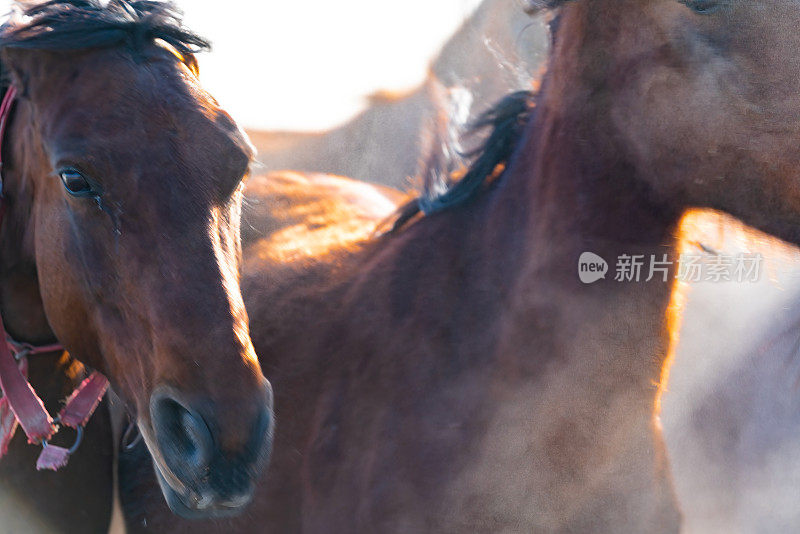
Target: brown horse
121, 240
456, 375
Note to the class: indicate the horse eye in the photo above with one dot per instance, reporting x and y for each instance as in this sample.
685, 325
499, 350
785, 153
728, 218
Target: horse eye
703, 7
75, 183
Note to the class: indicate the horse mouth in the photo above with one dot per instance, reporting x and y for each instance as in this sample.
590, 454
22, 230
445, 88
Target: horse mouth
190, 505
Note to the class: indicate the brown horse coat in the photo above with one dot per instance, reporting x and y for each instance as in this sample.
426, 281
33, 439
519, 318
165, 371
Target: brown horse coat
457, 376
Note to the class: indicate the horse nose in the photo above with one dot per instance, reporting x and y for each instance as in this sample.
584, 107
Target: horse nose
182, 434
211, 465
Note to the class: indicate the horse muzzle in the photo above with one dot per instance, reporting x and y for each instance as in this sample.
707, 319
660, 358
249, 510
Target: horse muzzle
199, 479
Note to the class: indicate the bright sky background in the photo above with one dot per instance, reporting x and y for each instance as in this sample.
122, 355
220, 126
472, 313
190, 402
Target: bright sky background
308, 64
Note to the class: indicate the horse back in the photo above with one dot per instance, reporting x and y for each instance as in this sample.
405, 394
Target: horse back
290, 215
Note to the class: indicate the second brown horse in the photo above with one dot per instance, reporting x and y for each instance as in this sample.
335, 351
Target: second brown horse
456, 375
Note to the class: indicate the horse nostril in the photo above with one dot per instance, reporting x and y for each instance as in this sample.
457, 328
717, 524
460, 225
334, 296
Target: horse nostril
182, 435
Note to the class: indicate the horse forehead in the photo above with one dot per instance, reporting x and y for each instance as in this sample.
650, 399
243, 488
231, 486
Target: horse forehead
113, 85
156, 106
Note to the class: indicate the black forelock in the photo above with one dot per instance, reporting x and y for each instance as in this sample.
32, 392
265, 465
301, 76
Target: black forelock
82, 24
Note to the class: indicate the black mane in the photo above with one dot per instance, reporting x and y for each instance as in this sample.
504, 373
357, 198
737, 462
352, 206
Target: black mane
81, 24
506, 121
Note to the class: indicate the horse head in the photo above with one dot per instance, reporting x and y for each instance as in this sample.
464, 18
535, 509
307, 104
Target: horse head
701, 97
123, 183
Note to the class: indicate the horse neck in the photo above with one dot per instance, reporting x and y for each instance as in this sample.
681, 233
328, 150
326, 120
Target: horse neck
574, 186
587, 354
568, 191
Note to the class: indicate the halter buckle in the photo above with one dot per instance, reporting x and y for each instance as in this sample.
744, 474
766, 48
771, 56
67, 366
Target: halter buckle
78, 438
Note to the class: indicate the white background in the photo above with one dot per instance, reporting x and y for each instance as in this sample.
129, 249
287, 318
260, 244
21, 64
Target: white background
307, 64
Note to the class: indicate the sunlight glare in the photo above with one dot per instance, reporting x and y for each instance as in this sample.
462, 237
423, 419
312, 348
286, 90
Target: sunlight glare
309, 65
